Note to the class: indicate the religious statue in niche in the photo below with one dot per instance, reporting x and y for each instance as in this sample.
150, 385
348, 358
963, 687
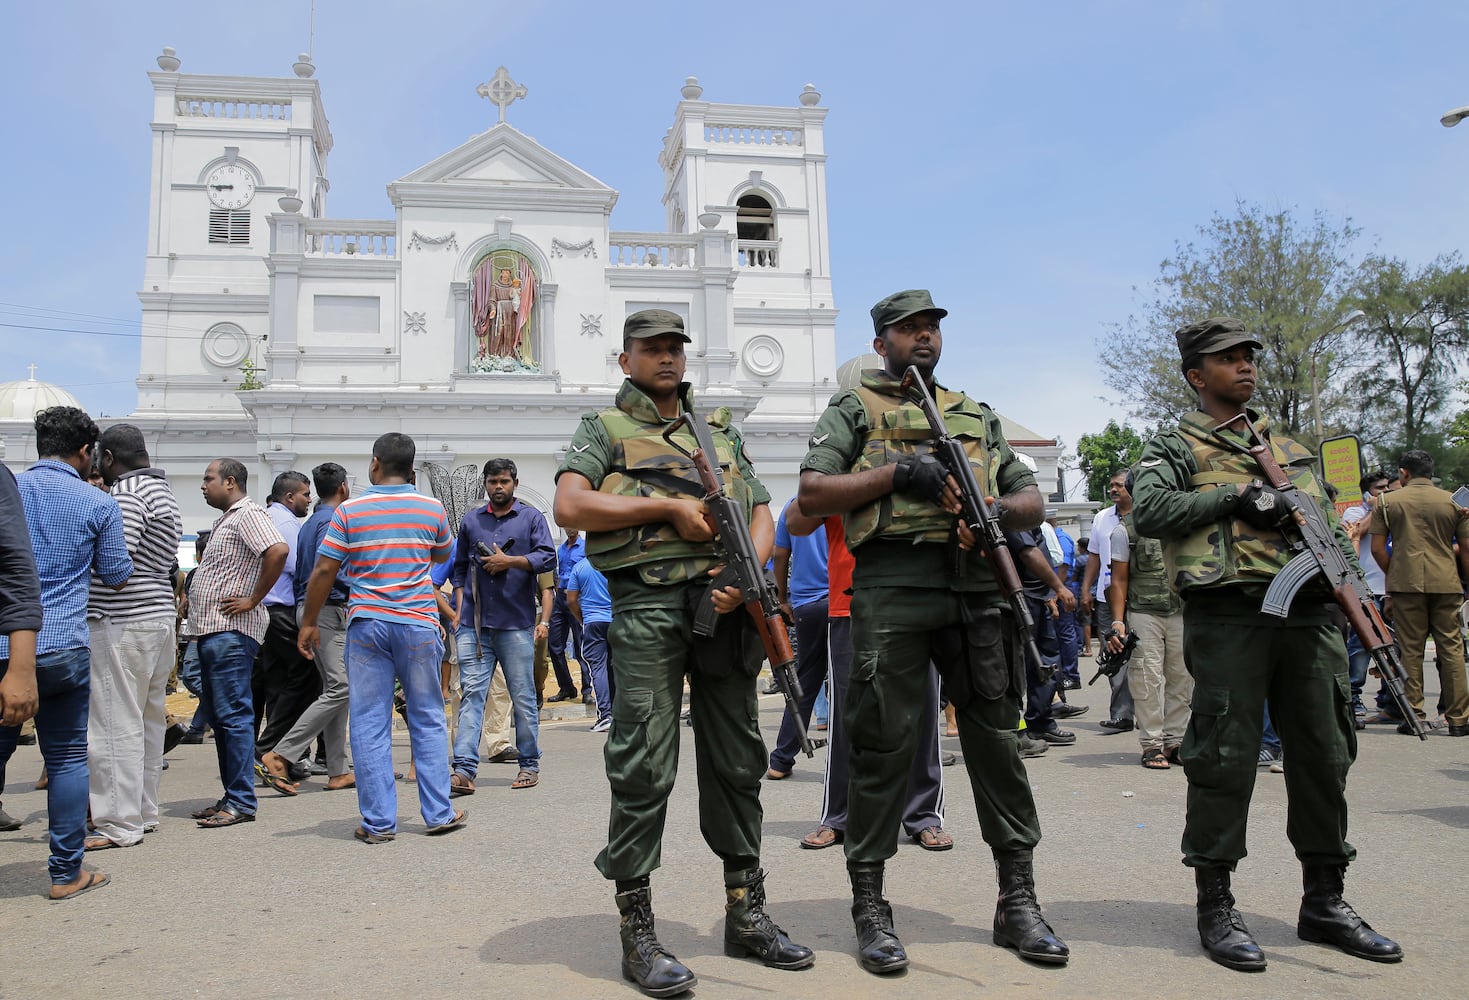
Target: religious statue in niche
503, 304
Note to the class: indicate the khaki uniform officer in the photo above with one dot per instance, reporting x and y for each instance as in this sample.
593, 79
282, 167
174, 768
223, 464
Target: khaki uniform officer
1222, 547
922, 594
639, 502
1423, 582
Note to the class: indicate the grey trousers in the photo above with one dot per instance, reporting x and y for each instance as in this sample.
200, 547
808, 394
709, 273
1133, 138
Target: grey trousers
327, 715
924, 795
1121, 707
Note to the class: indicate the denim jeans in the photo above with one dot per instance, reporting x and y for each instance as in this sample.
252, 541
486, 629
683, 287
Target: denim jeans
1068, 633
1358, 662
811, 667
226, 661
189, 675
378, 652
1040, 693
63, 680
515, 651
596, 653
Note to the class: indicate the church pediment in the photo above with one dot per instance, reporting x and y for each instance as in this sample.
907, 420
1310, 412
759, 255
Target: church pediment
502, 158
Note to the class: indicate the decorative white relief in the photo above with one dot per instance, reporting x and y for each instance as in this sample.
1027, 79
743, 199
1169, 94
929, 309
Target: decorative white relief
418, 241
587, 248
225, 345
763, 355
413, 322
591, 326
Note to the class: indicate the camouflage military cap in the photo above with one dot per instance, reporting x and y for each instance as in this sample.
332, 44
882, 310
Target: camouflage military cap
1209, 336
900, 305
653, 323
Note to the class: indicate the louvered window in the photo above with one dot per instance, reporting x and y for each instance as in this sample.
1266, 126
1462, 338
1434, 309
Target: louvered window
230, 226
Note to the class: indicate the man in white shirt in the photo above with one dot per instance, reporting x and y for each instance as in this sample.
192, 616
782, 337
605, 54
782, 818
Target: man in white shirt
1097, 579
1356, 521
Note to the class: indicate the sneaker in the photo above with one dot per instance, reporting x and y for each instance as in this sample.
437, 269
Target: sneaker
601, 726
1031, 747
504, 756
1268, 757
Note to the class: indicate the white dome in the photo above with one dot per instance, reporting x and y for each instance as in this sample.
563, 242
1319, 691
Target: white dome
24, 398
849, 374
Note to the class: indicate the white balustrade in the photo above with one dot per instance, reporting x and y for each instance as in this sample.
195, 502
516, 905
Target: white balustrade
350, 238
758, 253
753, 135
221, 107
651, 250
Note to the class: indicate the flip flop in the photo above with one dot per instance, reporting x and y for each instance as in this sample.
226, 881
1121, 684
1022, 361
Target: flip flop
526, 779
458, 822
95, 880
276, 781
368, 837
99, 844
341, 788
822, 837
933, 838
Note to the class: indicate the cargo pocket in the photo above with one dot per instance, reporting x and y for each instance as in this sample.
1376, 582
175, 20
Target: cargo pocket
628, 753
870, 722
990, 672
1342, 711
1204, 743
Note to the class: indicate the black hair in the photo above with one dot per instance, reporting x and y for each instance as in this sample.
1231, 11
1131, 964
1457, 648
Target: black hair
328, 478
1419, 463
126, 444
1195, 360
395, 453
285, 482
1365, 483
229, 468
202, 539
62, 431
1331, 491
495, 466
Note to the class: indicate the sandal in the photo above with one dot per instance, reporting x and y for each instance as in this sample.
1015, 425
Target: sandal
279, 782
460, 785
368, 837
225, 816
99, 844
207, 811
526, 779
933, 838
1155, 760
822, 837
87, 882
457, 823
1174, 754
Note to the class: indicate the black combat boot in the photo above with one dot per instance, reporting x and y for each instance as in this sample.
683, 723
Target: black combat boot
748, 929
878, 948
1327, 918
1018, 920
1222, 930
644, 960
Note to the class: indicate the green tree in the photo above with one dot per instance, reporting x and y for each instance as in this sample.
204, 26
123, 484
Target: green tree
1411, 335
1285, 277
1098, 456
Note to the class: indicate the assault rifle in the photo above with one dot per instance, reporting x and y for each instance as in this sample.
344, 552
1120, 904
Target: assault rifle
742, 568
1316, 551
1110, 664
979, 515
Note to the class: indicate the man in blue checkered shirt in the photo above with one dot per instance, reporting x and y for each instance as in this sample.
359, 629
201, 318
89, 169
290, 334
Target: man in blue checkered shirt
75, 530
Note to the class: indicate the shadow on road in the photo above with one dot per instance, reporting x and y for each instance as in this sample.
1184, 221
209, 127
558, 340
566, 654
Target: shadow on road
1447, 815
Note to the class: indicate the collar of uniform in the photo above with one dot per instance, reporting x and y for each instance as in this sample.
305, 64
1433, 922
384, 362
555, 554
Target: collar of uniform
883, 381
1203, 424
636, 403
1416, 481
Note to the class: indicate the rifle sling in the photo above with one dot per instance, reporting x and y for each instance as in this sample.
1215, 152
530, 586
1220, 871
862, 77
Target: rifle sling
668, 481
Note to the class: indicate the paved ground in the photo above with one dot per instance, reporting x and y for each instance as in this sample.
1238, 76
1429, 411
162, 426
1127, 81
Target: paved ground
292, 906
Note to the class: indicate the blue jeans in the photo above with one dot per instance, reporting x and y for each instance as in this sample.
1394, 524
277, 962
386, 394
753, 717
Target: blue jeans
226, 662
64, 682
812, 660
377, 653
515, 651
189, 675
1040, 693
1069, 637
1268, 738
596, 653
1358, 662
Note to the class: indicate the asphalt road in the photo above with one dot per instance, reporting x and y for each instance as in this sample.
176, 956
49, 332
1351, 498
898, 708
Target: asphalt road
292, 906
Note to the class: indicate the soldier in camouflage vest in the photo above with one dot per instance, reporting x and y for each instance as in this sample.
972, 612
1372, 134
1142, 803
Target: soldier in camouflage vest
640, 503
922, 594
1222, 546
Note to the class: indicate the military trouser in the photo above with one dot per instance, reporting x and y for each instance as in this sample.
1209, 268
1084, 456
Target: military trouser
1238, 657
896, 632
653, 649
1415, 616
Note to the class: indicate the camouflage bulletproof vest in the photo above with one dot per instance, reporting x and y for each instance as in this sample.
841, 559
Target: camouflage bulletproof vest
896, 429
1229, 550
1147, 575
644, 465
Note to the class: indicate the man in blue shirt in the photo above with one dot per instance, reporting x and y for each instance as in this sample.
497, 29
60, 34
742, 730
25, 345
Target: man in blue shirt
1066, 632
75, 530
568, 555
800, 580
284, 682
495, 592
590, 604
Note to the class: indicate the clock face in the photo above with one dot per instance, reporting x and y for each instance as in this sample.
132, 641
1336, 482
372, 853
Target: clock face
230, 186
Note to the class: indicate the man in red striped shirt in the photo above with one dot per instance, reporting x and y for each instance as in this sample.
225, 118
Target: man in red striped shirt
386, 540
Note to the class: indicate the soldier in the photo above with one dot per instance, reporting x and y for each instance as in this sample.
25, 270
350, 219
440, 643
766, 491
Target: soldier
1201, 494
638, 500
921, 593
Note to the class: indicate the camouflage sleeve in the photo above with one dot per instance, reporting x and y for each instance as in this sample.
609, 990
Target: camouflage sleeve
1163, 502
1013, 475
837, 440
747, 469
590, 451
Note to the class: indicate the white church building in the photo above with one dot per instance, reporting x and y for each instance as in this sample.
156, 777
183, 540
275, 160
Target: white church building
483, 315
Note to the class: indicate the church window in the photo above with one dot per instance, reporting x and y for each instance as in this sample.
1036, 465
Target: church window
230, 226
754, 218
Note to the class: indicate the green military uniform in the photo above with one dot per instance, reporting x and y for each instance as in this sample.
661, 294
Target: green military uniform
918, 599
656, 579
1186, 496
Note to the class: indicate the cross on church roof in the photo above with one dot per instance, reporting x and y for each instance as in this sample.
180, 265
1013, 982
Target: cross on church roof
32, 368
501, 91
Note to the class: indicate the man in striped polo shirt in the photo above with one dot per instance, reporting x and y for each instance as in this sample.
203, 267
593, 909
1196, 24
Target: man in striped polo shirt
386, 540
132, 641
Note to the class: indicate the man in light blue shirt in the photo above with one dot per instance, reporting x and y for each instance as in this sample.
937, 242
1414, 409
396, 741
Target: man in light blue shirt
563, 623
590, 604
800, 580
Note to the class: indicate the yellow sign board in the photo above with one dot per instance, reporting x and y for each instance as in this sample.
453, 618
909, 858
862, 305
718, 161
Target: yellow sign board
1341, 466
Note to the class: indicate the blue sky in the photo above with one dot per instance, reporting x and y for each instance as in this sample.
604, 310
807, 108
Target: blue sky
1031, 164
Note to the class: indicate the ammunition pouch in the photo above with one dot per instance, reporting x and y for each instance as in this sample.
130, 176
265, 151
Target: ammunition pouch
722, 644
980, 657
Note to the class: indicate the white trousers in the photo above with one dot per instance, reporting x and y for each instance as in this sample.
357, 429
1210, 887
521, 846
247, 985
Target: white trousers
131, 663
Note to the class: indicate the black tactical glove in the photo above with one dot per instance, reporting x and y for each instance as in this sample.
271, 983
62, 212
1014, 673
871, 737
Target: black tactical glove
1261, 506
920, 476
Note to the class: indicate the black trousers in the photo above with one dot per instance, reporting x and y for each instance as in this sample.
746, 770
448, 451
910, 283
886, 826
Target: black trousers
284, 683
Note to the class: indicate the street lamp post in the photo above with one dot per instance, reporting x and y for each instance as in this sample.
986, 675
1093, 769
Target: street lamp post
1454, 117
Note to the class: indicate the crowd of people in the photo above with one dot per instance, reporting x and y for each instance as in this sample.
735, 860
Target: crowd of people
309, 636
